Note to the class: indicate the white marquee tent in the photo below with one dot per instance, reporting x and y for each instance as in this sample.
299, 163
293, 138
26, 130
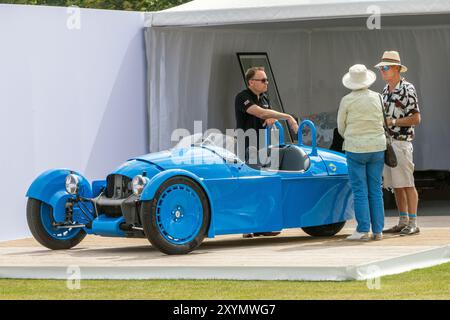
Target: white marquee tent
194, 73
221, 12
72, 95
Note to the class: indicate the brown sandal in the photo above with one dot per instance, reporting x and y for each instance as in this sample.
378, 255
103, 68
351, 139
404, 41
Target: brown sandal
394, 229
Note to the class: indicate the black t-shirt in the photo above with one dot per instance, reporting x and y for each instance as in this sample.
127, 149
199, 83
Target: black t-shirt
244, 100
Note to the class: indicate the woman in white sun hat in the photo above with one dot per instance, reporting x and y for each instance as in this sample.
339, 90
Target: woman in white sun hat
360, 122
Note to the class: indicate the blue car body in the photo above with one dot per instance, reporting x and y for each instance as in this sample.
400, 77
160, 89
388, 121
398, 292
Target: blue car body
241, 199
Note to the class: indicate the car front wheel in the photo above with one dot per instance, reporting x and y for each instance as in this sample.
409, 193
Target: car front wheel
177, 219
41, 223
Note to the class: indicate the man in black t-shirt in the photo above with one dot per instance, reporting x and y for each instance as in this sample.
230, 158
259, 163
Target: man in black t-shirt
252, 105
253, 111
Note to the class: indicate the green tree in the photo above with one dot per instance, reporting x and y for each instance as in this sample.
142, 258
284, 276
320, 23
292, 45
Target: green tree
133, 5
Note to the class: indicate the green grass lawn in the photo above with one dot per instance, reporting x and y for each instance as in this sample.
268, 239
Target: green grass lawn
431, 283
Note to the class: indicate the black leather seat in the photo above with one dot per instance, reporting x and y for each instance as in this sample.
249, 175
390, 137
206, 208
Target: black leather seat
293, 158
289, 158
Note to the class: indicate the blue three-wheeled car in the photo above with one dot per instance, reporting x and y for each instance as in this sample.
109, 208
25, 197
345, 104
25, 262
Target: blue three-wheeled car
176, 198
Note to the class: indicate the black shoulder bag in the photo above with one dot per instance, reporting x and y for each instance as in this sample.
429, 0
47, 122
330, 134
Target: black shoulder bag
390, 159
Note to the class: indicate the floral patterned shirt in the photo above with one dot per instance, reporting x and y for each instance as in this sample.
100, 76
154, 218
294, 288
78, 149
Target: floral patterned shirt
400, 103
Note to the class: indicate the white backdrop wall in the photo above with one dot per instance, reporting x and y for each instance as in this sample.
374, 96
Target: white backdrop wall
69, 97
194, 74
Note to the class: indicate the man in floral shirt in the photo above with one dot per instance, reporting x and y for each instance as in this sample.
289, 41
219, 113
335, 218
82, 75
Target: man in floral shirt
402, 114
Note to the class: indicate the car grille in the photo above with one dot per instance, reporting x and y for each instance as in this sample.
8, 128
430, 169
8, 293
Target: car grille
118, 186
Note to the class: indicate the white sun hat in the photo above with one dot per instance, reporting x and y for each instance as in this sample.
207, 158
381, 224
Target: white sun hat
358, 77
391, 58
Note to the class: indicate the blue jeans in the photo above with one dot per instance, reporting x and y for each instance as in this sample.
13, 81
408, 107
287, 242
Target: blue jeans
365, 171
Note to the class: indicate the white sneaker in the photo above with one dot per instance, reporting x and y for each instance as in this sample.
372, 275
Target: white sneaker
357, 236
377, 236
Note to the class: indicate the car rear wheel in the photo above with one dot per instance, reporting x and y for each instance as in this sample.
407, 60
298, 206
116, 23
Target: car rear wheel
40, 221
177, 219
327, 230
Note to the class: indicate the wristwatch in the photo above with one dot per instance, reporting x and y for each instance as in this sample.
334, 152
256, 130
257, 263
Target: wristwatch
394, 121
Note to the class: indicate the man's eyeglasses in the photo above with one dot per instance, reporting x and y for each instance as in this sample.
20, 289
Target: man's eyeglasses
262, 80
385, 68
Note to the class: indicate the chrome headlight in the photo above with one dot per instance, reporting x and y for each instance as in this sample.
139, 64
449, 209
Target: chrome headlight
138, 184
72, 184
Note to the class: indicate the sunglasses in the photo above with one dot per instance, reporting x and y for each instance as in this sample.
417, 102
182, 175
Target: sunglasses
385, 68
262, 80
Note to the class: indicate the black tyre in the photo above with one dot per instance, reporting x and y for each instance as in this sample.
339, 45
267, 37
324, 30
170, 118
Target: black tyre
177, 219
327, 230
40, 221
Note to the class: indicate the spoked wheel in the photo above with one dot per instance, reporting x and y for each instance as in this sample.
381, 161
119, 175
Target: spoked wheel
40, 221
177, 219
327, 230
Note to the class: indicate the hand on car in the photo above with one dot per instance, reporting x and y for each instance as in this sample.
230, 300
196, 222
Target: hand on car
269, 122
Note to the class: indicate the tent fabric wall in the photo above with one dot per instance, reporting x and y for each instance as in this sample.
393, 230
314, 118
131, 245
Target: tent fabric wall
69, 97
194, 75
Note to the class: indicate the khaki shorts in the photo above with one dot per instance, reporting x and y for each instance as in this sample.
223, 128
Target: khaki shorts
402, 175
